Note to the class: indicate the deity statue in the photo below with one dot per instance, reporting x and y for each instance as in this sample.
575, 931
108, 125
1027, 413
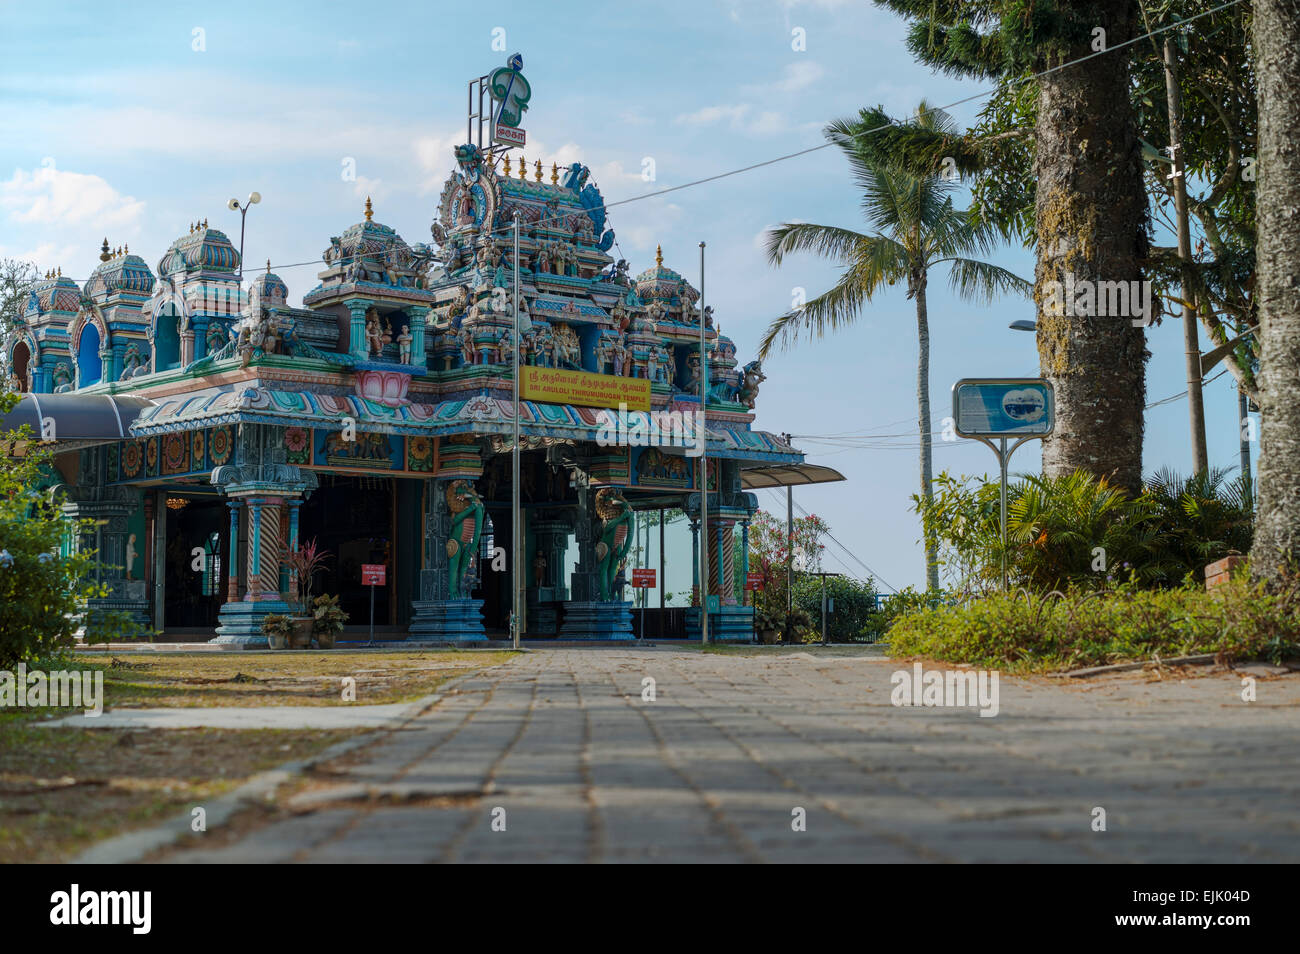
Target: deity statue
615, 539
544, 347
619, 354
131, 554
604, 354
753, 377
130, 363
542, 260
467, 346
374, 333
216, 337
539, 570
404, 345
62, 377
466, 528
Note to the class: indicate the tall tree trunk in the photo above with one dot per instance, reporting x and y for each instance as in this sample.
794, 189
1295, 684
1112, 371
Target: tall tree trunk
923, 412
1277, 256
1091, 218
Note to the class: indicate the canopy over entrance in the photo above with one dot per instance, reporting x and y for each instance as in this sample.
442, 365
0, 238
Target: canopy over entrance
787, 475
76, 420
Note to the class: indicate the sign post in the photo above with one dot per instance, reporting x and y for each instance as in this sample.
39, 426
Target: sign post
988, 409
372, 575
643, 579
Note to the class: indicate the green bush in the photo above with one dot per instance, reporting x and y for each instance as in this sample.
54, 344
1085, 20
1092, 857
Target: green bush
1077, 531
43, 590
854, 618
1238, 620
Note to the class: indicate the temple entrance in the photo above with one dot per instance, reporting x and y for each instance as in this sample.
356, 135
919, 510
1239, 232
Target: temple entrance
352, 519
198, 531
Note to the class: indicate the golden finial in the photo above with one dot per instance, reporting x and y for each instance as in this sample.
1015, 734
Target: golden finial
555, 174
268, 266
370, 212
103, 254
659, 256
507, 165
523, 167
205, 223
537, 171
126, 249
60, 271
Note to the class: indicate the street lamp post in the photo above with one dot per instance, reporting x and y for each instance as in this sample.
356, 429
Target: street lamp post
234, 206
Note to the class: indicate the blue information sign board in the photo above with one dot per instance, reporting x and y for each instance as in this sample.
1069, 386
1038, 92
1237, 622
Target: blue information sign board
1003, 407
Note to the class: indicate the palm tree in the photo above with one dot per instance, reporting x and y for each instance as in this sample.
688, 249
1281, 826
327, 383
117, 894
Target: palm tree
916, 227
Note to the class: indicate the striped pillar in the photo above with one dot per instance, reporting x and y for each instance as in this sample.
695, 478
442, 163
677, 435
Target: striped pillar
270, 553
232, 572
253, 573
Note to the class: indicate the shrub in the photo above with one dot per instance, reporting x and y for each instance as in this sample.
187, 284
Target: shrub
1237, 620
1078, 531
43, 588
854, 607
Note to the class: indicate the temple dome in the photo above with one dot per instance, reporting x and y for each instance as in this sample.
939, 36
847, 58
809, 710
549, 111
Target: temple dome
119, 272
268, 290
369, 239
57, 294
203, 249
662, 283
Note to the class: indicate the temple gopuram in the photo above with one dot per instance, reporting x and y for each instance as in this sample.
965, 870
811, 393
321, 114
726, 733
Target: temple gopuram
207, 426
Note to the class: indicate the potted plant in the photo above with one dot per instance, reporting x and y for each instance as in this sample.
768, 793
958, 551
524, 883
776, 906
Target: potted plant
303, 564
767, 626
327, 620
277, 629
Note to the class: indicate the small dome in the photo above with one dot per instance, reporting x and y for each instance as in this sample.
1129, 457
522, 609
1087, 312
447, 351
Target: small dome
203, 249
268, 290
56, 294
371, 240
663, 284
117, 272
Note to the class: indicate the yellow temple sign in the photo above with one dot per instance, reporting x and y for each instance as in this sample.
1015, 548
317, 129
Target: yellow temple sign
582, 388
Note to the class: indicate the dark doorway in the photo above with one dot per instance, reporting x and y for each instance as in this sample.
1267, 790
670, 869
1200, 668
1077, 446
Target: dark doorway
198, 532
351, 519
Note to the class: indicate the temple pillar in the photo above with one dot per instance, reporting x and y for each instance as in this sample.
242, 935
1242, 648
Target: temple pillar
545, 569
357, 344
588, 614
418, 321
260, 486
441, 613
730, 619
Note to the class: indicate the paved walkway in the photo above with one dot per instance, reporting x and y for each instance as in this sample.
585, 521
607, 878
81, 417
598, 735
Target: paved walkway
562, 748
337, 716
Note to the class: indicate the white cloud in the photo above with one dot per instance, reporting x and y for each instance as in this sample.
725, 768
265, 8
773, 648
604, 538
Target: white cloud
51, 197
741, 117
45, 256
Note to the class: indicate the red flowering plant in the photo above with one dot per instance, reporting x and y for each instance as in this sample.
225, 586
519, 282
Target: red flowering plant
303, 564
769, 547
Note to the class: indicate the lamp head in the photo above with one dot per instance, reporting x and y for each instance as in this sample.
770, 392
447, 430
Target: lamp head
254, 198
233, 205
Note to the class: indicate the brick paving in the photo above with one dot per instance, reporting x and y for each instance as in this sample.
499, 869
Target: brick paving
561, 746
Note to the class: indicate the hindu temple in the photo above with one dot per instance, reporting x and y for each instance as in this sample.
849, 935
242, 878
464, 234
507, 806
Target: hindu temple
207, 426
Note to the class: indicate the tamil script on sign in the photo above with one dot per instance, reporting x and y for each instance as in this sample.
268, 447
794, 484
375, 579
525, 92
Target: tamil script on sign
558, 386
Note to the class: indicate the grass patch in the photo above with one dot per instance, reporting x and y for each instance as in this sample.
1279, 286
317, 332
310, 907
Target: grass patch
1236, 621
63, 789
152, 680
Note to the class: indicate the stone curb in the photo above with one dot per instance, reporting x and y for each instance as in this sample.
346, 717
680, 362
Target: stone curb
133, 846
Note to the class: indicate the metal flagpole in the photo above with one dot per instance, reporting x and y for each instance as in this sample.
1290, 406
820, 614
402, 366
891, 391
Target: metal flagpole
516, 517
704, 469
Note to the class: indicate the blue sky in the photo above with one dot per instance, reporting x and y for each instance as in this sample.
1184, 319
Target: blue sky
114, 124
